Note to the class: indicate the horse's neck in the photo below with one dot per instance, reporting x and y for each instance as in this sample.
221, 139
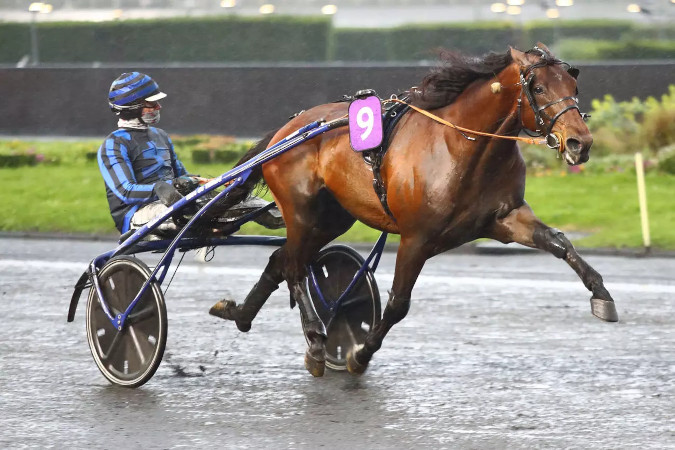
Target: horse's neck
481, 109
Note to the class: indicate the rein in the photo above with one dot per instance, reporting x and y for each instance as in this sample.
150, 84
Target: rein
529, 140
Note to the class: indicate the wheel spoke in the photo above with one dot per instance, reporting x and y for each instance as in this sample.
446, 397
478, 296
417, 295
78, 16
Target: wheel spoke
114, 344
139, 316
137, 345
351, 302
149, 315
132, 288
114, 297
350, 332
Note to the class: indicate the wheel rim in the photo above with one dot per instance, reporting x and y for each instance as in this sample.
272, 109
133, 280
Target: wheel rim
128, 357
335, 268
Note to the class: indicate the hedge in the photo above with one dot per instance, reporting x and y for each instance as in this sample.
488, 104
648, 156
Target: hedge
584, 49
226, 38
14, 41
651, 32
550, 32
285, 38
26, 159
357, 44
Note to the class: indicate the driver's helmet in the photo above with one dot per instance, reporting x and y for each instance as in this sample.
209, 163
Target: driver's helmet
131, 90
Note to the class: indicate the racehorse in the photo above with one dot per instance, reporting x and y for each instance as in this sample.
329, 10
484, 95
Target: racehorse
444, 187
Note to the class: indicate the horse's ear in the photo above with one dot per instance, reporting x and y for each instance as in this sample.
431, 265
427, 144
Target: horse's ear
544, 48
518, 56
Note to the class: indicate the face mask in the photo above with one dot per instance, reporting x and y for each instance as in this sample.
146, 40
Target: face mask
151, 118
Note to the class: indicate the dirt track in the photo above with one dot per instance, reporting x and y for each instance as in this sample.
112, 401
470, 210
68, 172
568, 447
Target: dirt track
496, 352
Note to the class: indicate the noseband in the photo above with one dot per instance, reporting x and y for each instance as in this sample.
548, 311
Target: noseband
553, 139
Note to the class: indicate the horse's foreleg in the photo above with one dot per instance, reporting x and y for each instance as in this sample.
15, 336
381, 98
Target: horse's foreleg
244, 314
409, 262
522, 226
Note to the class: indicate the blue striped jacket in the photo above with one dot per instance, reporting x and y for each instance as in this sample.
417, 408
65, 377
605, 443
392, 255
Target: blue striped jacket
131, 162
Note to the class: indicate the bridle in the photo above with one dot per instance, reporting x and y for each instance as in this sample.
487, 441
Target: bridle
553, 138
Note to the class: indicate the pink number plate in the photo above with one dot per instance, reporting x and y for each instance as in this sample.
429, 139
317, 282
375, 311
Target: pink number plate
365, 123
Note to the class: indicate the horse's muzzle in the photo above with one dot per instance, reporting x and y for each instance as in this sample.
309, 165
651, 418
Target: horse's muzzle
577, 149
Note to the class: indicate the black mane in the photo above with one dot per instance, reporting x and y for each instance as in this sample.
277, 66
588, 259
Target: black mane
456, 71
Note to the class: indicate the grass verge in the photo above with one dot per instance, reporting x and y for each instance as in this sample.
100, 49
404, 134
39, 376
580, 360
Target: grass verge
70, 197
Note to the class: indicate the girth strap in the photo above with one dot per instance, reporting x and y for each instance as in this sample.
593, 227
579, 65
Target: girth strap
374, 157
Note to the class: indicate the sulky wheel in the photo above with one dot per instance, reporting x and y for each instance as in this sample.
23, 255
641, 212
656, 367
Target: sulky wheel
347, 326
131, 356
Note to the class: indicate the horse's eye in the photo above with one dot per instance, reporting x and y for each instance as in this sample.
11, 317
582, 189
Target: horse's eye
538, 90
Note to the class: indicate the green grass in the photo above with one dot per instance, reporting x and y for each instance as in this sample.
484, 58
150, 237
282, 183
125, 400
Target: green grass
606, 205
70, 197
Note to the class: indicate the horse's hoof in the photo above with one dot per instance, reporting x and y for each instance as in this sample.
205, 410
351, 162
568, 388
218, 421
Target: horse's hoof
353, 366
315, 365
227, 309
604, 309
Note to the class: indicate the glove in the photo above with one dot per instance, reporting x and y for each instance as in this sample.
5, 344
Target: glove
185, 184
167, 193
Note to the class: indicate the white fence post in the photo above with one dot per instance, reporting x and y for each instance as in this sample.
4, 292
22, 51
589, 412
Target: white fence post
642, 197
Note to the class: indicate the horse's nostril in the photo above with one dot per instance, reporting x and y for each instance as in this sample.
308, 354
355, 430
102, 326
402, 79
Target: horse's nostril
573, 145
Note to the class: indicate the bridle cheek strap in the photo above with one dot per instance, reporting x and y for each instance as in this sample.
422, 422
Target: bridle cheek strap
554, 119
553, 139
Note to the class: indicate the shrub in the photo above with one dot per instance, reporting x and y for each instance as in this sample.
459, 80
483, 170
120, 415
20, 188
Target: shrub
216, 149
201, 156
658, 121
228, 155
26, 159
628, 127
666, 161
17, 160
615, 125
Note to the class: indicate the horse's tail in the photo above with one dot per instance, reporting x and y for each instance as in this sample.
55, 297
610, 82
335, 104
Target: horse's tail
239, 193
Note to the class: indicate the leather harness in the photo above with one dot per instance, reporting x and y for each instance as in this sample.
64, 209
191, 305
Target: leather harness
393, 112
392, 115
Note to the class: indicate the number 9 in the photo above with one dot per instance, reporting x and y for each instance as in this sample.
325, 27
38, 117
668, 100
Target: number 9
367, 123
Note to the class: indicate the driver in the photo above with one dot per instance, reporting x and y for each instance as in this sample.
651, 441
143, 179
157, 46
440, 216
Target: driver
142, 174
138, 161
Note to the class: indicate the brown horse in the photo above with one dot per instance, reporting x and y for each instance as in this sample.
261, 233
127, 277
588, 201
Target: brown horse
443, 189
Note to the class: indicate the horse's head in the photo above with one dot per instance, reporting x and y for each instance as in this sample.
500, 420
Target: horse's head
550, 87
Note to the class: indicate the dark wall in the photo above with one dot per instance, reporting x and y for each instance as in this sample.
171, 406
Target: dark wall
244, 101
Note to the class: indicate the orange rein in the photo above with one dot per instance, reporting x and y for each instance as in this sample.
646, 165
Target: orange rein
466, 130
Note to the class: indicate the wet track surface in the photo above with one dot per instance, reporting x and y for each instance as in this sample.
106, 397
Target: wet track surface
496, 352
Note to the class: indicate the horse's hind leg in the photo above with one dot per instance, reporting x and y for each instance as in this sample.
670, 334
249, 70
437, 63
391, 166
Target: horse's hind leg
409, 262
244, 314
522, 226
315, 222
